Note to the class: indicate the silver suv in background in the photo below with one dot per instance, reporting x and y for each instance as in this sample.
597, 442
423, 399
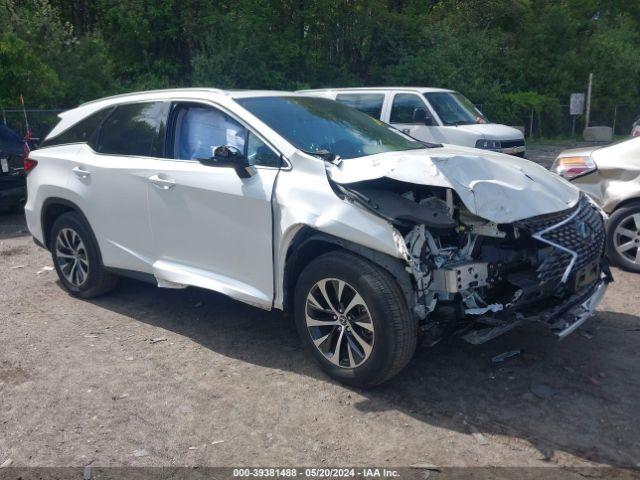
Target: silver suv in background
370, 238
611, 176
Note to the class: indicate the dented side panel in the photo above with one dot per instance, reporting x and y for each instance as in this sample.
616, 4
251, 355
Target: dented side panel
304, 198
611, 186
618, 175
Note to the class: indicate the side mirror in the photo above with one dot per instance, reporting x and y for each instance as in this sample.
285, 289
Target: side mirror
227, 156
420, 116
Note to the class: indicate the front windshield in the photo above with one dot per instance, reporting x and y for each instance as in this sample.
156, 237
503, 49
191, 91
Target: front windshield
316, 124
453, 108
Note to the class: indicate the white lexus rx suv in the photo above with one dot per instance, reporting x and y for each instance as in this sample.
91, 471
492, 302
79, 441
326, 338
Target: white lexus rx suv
369, 237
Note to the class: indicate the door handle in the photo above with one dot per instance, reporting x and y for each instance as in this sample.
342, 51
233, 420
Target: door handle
161, 183
80, 172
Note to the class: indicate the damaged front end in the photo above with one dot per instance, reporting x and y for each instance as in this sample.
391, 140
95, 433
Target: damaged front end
479, 278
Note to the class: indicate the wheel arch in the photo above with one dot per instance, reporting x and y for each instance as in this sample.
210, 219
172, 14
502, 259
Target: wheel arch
626, 202
52, 208
309, 243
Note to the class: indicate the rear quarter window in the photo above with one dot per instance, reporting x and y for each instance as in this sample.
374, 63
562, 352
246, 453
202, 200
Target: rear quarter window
135, 129
82, 132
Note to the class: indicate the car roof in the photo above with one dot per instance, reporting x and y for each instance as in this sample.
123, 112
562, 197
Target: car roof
381, 89
70, 117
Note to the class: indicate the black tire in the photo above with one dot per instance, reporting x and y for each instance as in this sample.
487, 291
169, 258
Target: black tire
98, 280
395, 328
617, 218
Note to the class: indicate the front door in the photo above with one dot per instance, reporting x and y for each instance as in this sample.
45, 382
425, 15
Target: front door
211, 228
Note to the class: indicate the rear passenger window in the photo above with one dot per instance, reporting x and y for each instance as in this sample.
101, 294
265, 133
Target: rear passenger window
369, 103
81, 132
135, 129
404, 104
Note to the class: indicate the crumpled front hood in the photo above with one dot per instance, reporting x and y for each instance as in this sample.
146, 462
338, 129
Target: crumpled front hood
499, 188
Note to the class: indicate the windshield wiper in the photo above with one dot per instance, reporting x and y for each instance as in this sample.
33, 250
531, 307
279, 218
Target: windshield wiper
326, 155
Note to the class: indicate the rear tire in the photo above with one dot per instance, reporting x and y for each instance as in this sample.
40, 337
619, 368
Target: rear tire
374, 339
76, 258
623, 237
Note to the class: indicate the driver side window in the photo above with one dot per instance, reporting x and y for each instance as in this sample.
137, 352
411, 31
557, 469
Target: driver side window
200, 129
404, 107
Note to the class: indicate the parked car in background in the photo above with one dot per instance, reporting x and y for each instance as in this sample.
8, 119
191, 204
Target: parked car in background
368, 237
433, 115
635, 129
13, 188
611, 176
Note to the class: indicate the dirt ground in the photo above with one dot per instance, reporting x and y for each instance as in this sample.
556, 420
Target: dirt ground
148, 376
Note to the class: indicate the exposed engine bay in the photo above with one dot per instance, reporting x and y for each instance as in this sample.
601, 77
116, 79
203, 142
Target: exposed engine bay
479, 278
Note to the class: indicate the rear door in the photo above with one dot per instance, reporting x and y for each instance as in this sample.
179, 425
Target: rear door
404, 112
211, 228
110, 175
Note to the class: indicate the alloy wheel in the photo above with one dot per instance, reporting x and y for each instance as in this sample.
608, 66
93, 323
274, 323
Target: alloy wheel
71, 256
626, 238
339, 323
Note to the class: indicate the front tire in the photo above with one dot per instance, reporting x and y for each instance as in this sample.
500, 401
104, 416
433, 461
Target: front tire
623, 237
352, 317
76, 258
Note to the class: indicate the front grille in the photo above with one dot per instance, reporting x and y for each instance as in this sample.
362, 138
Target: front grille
511, 143
577, 236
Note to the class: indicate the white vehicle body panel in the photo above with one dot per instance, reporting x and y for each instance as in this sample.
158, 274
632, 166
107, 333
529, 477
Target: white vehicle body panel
228, 221
115, 193
215, 230
462, 135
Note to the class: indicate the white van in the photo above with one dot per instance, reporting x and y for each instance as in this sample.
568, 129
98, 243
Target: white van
432, 115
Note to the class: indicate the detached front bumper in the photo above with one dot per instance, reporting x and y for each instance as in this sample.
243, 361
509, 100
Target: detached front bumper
567, 317
562, 319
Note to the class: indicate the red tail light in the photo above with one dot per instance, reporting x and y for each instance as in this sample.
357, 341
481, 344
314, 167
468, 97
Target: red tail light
29, 165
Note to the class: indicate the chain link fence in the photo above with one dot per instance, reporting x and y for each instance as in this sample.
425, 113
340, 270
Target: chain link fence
557, 122
41, 121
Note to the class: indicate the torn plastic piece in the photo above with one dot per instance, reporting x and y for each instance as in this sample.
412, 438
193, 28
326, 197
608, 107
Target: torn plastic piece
506, 355
494, 307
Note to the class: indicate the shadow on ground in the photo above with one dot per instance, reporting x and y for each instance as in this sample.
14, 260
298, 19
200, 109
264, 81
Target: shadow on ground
12, 224
577, 396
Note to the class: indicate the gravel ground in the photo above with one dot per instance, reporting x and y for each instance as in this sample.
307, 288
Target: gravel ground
148, 376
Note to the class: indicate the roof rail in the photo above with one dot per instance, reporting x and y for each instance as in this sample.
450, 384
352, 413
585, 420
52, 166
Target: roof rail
130, 94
